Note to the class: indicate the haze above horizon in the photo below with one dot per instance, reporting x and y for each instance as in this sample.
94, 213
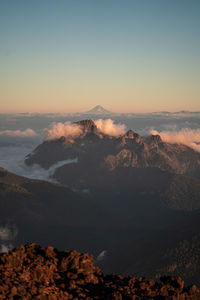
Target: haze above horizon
66, 56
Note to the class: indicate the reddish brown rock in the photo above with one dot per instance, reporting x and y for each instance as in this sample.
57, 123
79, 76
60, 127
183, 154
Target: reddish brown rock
33, 272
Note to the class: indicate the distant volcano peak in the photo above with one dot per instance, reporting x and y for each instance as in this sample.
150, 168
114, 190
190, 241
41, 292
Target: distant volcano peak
98, 110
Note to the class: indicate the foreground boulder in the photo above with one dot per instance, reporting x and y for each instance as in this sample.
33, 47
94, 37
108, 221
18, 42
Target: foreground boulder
33, 272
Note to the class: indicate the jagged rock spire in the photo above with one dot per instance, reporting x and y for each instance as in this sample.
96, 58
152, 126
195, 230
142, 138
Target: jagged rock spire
87, 126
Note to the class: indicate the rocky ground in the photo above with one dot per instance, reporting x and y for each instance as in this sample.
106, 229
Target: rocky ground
33, 272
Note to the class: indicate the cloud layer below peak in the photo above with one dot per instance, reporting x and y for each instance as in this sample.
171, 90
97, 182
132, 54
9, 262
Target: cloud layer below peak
69, 130
59, 129
19, 133
109, 127
186, 136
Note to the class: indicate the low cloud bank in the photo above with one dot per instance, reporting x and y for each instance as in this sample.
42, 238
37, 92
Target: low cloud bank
19, 133
8, 234
66, 129
12, 159
109, 127
36, 172
101, 255
5, 233
186, 136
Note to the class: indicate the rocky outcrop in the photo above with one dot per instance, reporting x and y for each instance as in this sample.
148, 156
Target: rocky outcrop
87, 126
33, 272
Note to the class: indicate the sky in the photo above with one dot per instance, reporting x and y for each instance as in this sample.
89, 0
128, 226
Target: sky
127, 55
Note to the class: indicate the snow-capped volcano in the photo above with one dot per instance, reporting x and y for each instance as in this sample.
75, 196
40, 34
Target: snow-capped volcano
98, 110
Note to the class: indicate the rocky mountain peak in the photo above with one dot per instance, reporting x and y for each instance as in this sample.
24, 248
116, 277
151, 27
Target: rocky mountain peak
154, 139
130, 134
87, 126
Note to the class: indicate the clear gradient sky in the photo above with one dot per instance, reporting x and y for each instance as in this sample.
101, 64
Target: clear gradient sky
126, 55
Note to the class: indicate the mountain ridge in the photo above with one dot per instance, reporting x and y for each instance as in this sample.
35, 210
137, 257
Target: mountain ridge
129, 149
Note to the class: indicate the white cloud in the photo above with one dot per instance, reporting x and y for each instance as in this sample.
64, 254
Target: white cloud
69, 130
36, 172
5, 248
108, 127
101, 255
7, 234
19, 133
186, 136
66, 129
12, 159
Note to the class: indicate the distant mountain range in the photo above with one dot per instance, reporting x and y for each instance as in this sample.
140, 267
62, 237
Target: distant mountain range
100, 111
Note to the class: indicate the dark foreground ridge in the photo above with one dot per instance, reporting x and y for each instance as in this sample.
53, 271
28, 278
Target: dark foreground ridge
33, 272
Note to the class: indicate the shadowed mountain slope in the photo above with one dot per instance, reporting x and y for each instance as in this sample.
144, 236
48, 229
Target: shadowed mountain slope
128, 228
24, 200
141, 171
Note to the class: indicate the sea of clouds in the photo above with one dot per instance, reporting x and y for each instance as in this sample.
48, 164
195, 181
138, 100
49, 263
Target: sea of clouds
20, 135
